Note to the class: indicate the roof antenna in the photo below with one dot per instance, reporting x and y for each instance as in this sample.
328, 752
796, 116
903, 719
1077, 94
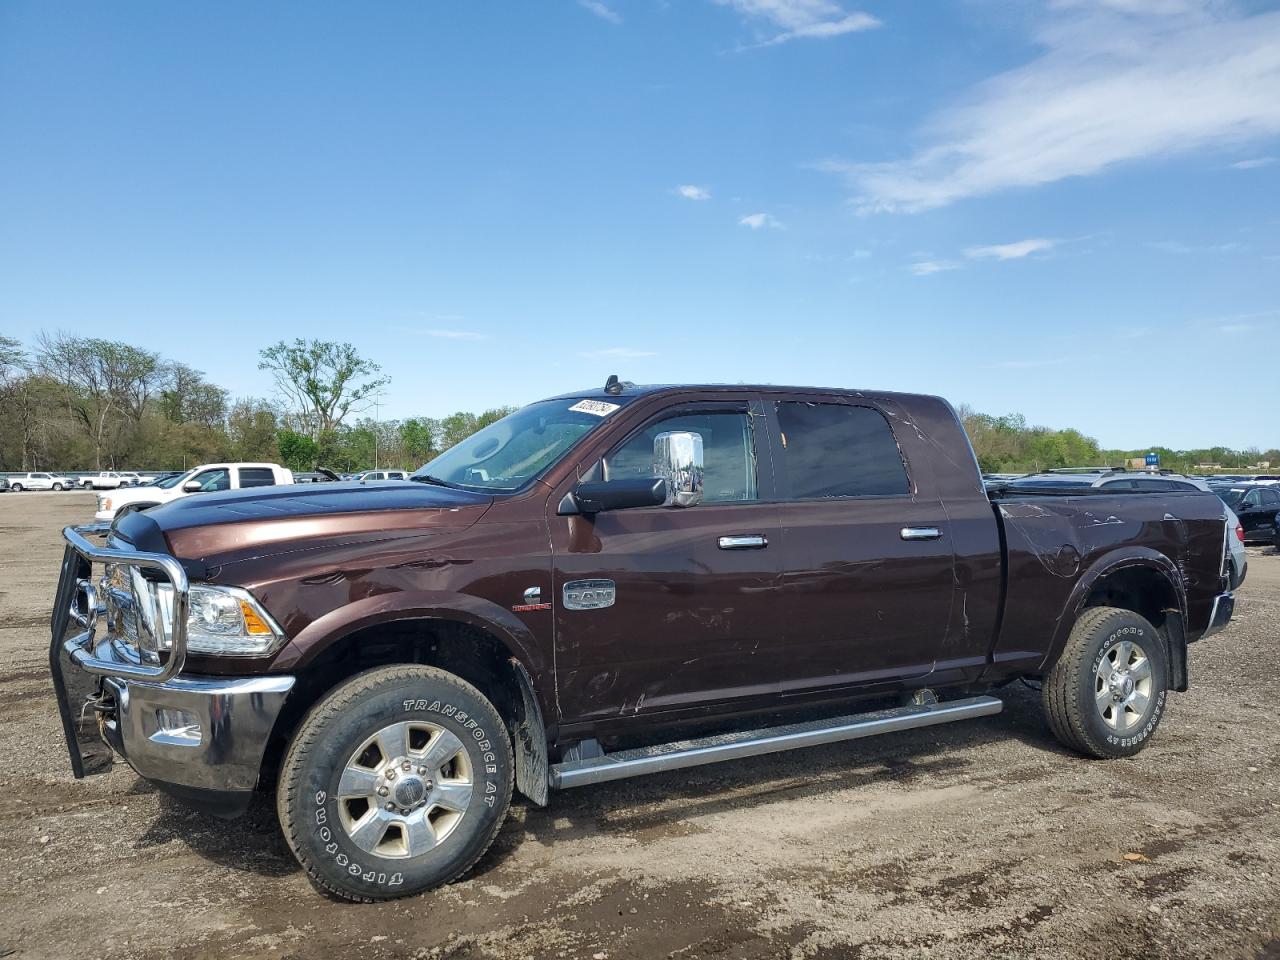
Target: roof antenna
613, 386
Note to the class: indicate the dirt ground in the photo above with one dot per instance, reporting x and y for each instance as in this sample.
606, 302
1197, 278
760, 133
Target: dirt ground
976, 839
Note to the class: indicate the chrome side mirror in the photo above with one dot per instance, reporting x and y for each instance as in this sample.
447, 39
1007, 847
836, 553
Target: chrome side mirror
677, 458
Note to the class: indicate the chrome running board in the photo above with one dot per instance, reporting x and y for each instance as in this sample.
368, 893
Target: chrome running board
751, 743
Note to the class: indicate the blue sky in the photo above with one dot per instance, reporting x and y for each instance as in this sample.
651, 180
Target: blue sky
1067, 208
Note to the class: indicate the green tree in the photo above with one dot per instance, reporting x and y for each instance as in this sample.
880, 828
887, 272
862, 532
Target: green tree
297, 450
321, 382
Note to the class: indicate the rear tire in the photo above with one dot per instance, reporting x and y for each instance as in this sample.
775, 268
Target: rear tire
396, 782
1106, 694
15, 487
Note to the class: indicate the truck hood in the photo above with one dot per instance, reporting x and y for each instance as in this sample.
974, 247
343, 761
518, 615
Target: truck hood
205, 530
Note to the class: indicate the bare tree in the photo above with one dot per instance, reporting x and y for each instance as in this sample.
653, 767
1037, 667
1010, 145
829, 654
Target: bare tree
322, 381
104, 381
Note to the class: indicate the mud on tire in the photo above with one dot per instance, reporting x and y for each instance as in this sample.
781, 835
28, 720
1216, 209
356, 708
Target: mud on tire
396, 782
1106, 694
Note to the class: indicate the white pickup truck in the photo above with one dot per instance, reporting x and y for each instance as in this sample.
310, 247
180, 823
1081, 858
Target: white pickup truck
109, 480
40, 481
202, 479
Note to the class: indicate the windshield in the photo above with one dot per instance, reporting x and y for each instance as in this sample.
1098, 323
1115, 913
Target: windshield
1231, 496
173, 481
506, 455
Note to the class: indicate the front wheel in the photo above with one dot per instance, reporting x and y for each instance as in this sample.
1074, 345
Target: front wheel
57, 486
1106, 694
396, 782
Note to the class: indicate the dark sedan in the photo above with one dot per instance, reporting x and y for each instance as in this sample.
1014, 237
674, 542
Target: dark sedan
1256, 504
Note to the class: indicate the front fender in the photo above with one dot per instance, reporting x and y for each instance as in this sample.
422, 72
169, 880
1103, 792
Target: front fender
1125, 558
341, 622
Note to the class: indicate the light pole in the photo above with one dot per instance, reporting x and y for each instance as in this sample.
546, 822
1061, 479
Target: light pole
377, 405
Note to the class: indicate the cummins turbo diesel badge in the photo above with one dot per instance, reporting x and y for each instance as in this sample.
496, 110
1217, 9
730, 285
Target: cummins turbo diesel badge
589, 594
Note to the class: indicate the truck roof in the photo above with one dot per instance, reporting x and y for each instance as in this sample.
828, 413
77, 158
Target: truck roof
631, 391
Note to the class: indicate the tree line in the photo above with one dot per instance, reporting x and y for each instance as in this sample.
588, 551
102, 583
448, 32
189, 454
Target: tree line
85, 403
1008, 445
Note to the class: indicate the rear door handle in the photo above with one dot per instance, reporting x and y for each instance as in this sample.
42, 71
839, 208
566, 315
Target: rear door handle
755, 541
921, 533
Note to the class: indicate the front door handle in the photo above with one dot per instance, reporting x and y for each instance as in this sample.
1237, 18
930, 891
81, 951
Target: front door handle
921, 533
755, 541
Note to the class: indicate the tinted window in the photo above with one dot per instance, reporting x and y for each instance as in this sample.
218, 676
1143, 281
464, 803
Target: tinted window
729, 463
1164, 485
257, 477
1270, 498
209, 480
1252, 499
833, 450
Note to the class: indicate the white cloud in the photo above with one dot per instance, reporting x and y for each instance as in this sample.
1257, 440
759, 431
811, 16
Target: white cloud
691, 192
457, 334
757, 220
1237, 328
618, 353
801, 19
1009, 251
1119, 81
923, 268
1177, 246
860, 254
1254, 163
601, 10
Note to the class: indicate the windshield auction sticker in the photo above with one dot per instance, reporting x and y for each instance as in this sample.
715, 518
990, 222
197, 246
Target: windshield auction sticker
597, 408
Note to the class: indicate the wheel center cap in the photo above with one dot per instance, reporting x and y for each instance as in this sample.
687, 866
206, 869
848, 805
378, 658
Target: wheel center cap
410, 791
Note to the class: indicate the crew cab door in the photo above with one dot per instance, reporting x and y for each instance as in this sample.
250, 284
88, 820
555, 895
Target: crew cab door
868, 571
693, 619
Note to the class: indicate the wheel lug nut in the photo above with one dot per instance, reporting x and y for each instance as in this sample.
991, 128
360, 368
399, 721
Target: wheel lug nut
422, 770
391, 806
406, 766
391, 774
382, 791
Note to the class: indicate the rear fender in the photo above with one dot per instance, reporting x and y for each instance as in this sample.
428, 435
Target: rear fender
1118, 561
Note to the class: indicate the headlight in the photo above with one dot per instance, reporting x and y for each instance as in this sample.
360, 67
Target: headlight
221, 621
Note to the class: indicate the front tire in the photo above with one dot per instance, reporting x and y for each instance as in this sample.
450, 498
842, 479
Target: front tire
1106, 694
58, 487
396, 782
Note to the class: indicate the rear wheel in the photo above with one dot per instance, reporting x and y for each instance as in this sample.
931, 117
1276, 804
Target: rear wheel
1106, 694
15, 487
396, 782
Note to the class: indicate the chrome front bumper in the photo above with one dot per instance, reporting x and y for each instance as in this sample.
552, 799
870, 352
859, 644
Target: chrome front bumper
203, 733
199, 737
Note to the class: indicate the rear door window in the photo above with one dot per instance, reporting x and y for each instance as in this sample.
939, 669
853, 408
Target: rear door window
838, 450
257, 477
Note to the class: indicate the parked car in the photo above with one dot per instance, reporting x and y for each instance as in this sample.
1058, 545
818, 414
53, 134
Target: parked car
4, 484
105, 480
384, 475
133, 478
1257, 506
321, 475
583, 590
40, 481
206, 478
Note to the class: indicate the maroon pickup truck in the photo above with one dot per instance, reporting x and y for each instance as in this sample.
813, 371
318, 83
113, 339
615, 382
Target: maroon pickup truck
610, 583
